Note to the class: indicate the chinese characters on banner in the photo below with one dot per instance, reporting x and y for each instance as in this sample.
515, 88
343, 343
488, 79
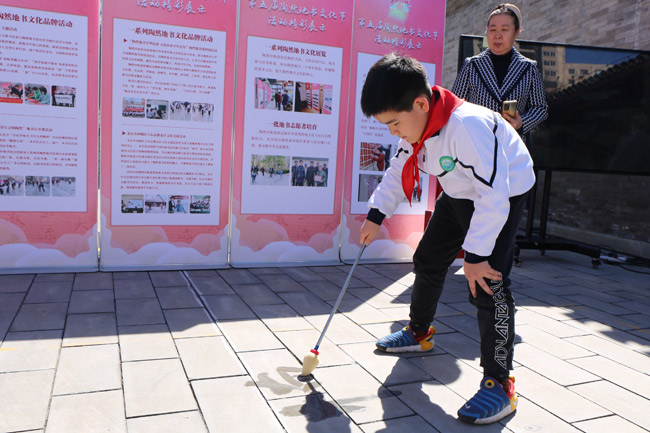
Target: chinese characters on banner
413, 28
43, 140
289, 140
291, 113
48, 135
165, 165
167, 100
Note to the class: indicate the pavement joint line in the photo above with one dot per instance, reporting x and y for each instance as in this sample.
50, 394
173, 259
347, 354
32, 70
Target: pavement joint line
236, 354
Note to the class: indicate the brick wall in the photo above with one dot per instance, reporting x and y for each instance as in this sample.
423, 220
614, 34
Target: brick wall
591, 208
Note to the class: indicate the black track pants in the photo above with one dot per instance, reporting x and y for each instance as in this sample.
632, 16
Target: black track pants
437, 250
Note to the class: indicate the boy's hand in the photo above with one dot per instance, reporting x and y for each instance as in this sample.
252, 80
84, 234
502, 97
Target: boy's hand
368, 231
516, 121
476, 272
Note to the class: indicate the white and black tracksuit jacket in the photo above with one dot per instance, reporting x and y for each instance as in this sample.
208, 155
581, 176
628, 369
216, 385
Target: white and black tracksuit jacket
490, 164
477, 83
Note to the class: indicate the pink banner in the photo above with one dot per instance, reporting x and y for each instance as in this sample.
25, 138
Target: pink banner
291, 113
167, 86
48, 136
409, 27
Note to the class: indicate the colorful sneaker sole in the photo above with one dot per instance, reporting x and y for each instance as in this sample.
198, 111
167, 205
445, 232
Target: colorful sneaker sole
423, 346
492, 419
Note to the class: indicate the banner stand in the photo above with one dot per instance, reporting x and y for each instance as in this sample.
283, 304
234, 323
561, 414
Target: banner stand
48, 270
149, 268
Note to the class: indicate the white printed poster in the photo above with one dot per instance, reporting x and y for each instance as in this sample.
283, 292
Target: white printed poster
291, 127
43, 97
374, 146
168, 101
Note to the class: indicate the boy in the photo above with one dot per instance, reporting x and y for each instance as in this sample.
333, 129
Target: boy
486, 172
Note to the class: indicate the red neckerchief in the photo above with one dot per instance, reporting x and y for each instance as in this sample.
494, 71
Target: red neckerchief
440, 110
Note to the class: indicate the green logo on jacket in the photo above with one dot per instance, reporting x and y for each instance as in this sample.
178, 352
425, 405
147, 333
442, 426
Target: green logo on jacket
447, 163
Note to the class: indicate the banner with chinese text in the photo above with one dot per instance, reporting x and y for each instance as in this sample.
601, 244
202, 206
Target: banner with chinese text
409, 27
291, 113
48, 135
167, 85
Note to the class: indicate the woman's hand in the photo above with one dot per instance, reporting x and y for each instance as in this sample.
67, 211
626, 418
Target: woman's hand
368, 231
516, 121
476, 272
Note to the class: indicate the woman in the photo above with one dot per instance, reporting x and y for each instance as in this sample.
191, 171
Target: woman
500, 73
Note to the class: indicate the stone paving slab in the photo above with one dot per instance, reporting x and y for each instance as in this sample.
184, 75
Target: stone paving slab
532, 418
341, 330
389, 369
134, 288
49, 291
78, 369
40, 317
146, 342
411, 424
189, 422
138, 312
177, 297
211, 285
438, 404
24, 399
167, 278
229, 404
362, 396
227, 307
615, 352
91, 301
87, 329
561, 401
301, 342
156, 387
93, 281
220, 350
280, 318
275, 372
89, 413
191, 322
609, 424
281, 283
617, 400
10, 304
15, 283
626, 377
208, 357
34, 350
247, 335
256, 294
314, 413
547, 342
554, 368
5, 322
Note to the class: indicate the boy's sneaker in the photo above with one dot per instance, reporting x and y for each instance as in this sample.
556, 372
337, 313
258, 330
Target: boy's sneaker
405, 341
492, 402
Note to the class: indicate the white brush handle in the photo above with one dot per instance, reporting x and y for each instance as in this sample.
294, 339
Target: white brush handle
338, 301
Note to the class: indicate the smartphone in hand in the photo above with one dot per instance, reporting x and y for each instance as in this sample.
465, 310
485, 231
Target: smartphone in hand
509, 107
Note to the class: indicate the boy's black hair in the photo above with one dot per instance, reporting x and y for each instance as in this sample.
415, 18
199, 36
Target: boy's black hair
392, 84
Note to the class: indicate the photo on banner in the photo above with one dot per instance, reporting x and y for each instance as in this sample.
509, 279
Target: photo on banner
168, 70
416, 29
48, 106
289, 132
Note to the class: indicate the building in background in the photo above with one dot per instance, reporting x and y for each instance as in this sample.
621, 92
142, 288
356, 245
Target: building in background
613, 209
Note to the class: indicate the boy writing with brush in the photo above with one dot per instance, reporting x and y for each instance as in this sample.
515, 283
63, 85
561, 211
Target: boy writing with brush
486, 172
